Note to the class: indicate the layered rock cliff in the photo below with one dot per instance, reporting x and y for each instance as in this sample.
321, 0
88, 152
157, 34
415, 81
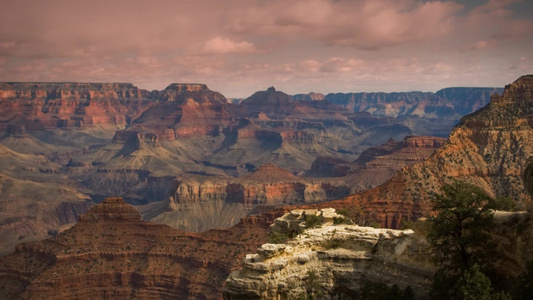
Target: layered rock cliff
377, 164
40, 106
489, 148
198, 204
331, 259
390, 156
111, 253
448, 102
101, 139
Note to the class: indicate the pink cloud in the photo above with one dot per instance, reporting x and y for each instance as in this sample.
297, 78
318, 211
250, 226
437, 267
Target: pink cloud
361, 24
495, 21
337, 64
220, 45
484, 44
240, 46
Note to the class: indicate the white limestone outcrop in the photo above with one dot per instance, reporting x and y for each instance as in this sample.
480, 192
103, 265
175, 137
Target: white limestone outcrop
332, 259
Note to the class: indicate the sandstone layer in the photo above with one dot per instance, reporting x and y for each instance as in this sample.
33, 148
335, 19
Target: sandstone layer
111, 253
40, 106
335, 260
199, 204
489, 148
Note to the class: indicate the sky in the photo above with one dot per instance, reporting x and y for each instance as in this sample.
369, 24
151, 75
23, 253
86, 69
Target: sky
238, 47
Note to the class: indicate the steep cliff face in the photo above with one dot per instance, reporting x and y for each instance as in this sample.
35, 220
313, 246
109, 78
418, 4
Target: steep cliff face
467, 100
377, 164
197, 204
334, 260
40, 106
271, 102
186, 110
111, 253
489, 148
446, 103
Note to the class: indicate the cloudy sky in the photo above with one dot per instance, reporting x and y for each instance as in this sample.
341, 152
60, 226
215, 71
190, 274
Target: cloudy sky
240, 46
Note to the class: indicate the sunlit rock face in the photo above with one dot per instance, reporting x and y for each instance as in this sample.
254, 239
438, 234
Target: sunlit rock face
40, 106
198, 204
489, 148
333, 259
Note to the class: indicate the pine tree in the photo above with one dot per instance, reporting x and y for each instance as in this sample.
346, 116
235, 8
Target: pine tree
459, 231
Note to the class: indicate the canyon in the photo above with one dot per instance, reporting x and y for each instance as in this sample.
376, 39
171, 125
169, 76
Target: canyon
112, 253
68, 146
490, 148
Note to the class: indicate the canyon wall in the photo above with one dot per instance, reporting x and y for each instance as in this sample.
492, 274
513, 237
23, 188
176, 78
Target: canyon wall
489, 148
334, 259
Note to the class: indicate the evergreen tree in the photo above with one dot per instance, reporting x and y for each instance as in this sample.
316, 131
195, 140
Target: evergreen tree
472, 285
463, 215
459, 231
524, 284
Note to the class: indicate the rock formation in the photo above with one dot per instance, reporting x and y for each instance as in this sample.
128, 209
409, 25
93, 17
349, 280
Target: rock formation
308, 97
438, 112
197, 204
377, 164
333, 259
489, 148
528, 176
448, 102
111, 253
99, 139
40, 106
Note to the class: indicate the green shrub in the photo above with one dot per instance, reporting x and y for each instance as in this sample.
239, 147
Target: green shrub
312, 221
374, 224
277, 238
381, 291
340, 220
407, 224
333, 244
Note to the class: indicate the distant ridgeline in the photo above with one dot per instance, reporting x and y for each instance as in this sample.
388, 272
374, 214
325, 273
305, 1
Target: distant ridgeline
448, 102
